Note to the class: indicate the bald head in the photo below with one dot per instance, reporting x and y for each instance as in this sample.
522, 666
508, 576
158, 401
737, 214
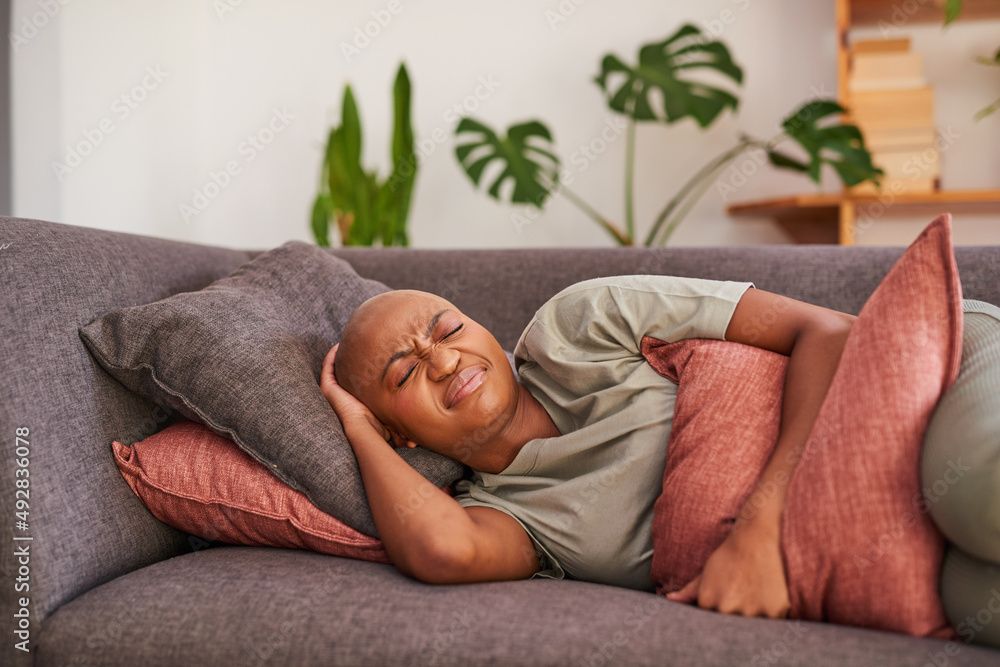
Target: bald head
357, 369
430, 374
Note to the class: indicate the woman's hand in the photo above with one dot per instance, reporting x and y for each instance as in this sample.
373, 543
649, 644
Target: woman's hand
350, 410
745, 575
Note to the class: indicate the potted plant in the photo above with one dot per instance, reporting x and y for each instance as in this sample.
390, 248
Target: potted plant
362, 207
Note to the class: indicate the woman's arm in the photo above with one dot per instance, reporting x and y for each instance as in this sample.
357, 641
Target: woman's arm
427, 533
745, 575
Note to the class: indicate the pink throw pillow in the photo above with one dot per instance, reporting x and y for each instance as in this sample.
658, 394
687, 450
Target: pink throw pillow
725, 425
202, 483
858, 545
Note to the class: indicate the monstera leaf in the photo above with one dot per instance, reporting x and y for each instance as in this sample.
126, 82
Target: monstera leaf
532, 168
824, 144
661, 66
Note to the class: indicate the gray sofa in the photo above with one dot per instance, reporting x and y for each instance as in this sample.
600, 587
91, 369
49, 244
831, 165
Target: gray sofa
108, 584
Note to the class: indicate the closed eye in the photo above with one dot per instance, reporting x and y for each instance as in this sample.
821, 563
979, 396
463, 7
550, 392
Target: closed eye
410, 372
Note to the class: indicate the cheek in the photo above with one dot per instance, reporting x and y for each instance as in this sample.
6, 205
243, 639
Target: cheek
490, 404
403, 405
410, 408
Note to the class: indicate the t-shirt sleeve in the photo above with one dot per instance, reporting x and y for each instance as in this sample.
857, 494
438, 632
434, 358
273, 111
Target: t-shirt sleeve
549, 567
605, 319
623, 309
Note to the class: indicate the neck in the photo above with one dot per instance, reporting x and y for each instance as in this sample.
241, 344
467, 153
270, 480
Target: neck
530, 421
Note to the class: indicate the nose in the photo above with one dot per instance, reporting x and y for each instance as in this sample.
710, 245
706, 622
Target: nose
441, 362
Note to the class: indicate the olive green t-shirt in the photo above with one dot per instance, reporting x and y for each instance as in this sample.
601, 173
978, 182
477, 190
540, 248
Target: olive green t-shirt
586, 497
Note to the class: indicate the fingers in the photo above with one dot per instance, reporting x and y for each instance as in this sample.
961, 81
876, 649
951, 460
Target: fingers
331, 358
326, 372
688, 594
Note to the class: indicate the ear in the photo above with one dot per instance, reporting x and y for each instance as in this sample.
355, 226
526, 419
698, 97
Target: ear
400, 440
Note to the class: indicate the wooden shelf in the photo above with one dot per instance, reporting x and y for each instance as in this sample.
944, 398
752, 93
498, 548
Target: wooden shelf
893, 12
833, 218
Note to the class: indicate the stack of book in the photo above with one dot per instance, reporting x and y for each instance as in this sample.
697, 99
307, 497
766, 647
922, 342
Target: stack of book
892, 104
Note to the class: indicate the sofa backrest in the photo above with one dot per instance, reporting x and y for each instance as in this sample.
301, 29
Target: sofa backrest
502, 289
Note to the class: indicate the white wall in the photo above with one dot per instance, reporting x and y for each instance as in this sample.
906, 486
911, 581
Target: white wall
221, 75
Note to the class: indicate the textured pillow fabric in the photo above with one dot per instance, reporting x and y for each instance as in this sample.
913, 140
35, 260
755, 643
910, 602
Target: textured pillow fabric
197, 481
243, 357
960, 468
725, 425
858, 550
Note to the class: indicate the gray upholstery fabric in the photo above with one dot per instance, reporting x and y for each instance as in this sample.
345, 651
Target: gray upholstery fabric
502, 289
259, 606
256, 339
88, 527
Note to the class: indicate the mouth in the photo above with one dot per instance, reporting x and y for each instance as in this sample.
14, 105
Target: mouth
466, 382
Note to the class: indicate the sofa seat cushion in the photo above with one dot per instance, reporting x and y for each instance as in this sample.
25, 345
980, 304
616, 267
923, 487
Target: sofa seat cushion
263, 606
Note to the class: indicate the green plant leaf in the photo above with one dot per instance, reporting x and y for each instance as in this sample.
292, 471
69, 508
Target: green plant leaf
321, 211
366, 224
851, 160
402, 128
350, 123
990, 108
661, 66
397, 192
987, 110
532, 168
785, 162
343, 157
351, 189
362, 207
952, 8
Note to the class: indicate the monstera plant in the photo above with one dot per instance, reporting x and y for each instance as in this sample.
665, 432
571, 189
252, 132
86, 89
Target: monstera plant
663, 73
362, 207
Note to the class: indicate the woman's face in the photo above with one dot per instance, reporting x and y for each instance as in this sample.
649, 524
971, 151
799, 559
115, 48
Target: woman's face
435, 376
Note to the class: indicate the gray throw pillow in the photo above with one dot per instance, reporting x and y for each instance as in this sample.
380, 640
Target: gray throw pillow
960, 462
243, 357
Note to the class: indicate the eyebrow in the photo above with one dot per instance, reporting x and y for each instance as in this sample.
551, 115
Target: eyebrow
403, 353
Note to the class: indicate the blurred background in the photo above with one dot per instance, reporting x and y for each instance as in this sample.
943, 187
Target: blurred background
123, 113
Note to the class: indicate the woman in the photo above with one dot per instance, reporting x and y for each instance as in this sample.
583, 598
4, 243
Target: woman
568, 460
